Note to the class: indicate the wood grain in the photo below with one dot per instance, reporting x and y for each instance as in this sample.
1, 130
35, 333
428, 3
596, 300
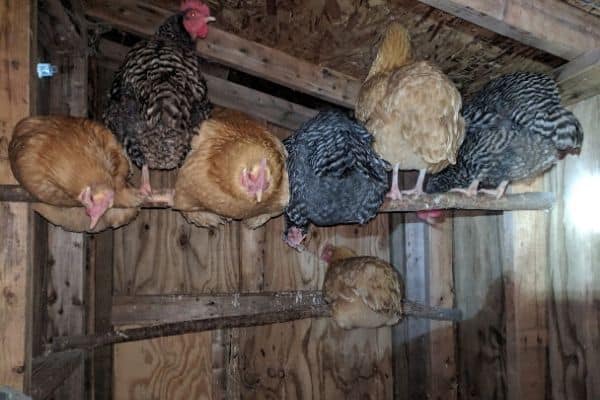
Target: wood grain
573, 254
159, 253
18, 32
478, 261
552, 26
315, 359
526, 294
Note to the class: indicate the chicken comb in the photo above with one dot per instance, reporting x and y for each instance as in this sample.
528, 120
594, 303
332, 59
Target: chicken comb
195, 4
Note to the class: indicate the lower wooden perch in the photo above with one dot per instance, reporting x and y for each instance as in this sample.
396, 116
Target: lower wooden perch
441, 201
234, 311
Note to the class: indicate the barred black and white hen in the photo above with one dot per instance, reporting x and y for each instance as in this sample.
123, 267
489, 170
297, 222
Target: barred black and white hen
516, 129
335, 175
159, 95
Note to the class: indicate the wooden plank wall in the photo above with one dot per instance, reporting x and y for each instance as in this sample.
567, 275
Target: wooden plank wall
16, 102
159, 253
574, 282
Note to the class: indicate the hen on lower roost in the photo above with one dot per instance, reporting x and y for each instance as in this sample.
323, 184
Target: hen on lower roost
159, 95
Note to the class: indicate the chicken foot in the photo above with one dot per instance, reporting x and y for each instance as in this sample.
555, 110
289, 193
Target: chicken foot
145, 187
498, 192
394, 192
471, 191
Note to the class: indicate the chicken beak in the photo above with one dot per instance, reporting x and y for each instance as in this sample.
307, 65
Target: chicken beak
209, 19
259, 194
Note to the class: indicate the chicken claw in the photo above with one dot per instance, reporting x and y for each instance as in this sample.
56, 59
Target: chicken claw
471, 191
394, 192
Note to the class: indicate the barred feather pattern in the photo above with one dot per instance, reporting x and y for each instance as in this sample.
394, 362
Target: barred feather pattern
158, 97
516, 129
335, 175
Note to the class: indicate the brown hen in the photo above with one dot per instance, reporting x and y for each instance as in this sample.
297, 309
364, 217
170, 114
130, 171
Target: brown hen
412, 109
68, 162
236, 169
364, 292
75, 219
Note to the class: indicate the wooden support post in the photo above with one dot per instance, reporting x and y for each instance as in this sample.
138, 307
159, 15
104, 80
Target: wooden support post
67, 250
18, 21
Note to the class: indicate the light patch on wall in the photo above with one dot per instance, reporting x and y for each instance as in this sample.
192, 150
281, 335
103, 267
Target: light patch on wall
583, 203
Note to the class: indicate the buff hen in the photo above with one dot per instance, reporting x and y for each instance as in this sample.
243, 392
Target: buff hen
69, 162
516, 129
364, 292
236, 169
412, 109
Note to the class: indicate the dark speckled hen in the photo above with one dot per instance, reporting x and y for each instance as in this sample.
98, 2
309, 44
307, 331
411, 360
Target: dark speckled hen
159, 95
516, 129
335, 175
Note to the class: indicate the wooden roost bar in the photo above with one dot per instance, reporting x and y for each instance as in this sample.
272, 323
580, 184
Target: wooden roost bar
521, 269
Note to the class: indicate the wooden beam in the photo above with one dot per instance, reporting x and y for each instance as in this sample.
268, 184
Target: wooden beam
239, 310
247, 56
16, 251
579, 79
51, 371
552, 26
231, 95
441, 201
276, 66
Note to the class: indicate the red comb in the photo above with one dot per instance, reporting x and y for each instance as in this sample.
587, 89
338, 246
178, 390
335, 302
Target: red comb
196, 4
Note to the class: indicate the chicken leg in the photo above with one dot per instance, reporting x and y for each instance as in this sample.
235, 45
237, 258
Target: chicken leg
418, 189
394, 192
471, 191
498, 192
145, 187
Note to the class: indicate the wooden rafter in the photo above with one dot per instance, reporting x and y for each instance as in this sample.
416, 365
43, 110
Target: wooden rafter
231, 95
580, 78
552, 26
250, 57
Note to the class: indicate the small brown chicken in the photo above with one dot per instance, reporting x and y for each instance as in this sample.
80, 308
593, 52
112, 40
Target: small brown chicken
75, 219
68, 162
236, 169
412, 109
364, 292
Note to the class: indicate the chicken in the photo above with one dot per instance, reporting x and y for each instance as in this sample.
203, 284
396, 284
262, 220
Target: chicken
68, 162
159, 95
516, 129
236, 169
412, 109
335, 176
364, 292
75, 219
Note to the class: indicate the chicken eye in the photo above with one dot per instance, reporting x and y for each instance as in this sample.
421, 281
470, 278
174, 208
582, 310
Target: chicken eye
192, 14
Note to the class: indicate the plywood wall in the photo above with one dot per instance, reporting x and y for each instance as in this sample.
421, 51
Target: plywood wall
159, 253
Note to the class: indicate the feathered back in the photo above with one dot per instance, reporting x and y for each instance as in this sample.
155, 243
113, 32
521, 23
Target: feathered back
158, 97
394, 51
210, 178
335, 175
55, 157
517, 129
